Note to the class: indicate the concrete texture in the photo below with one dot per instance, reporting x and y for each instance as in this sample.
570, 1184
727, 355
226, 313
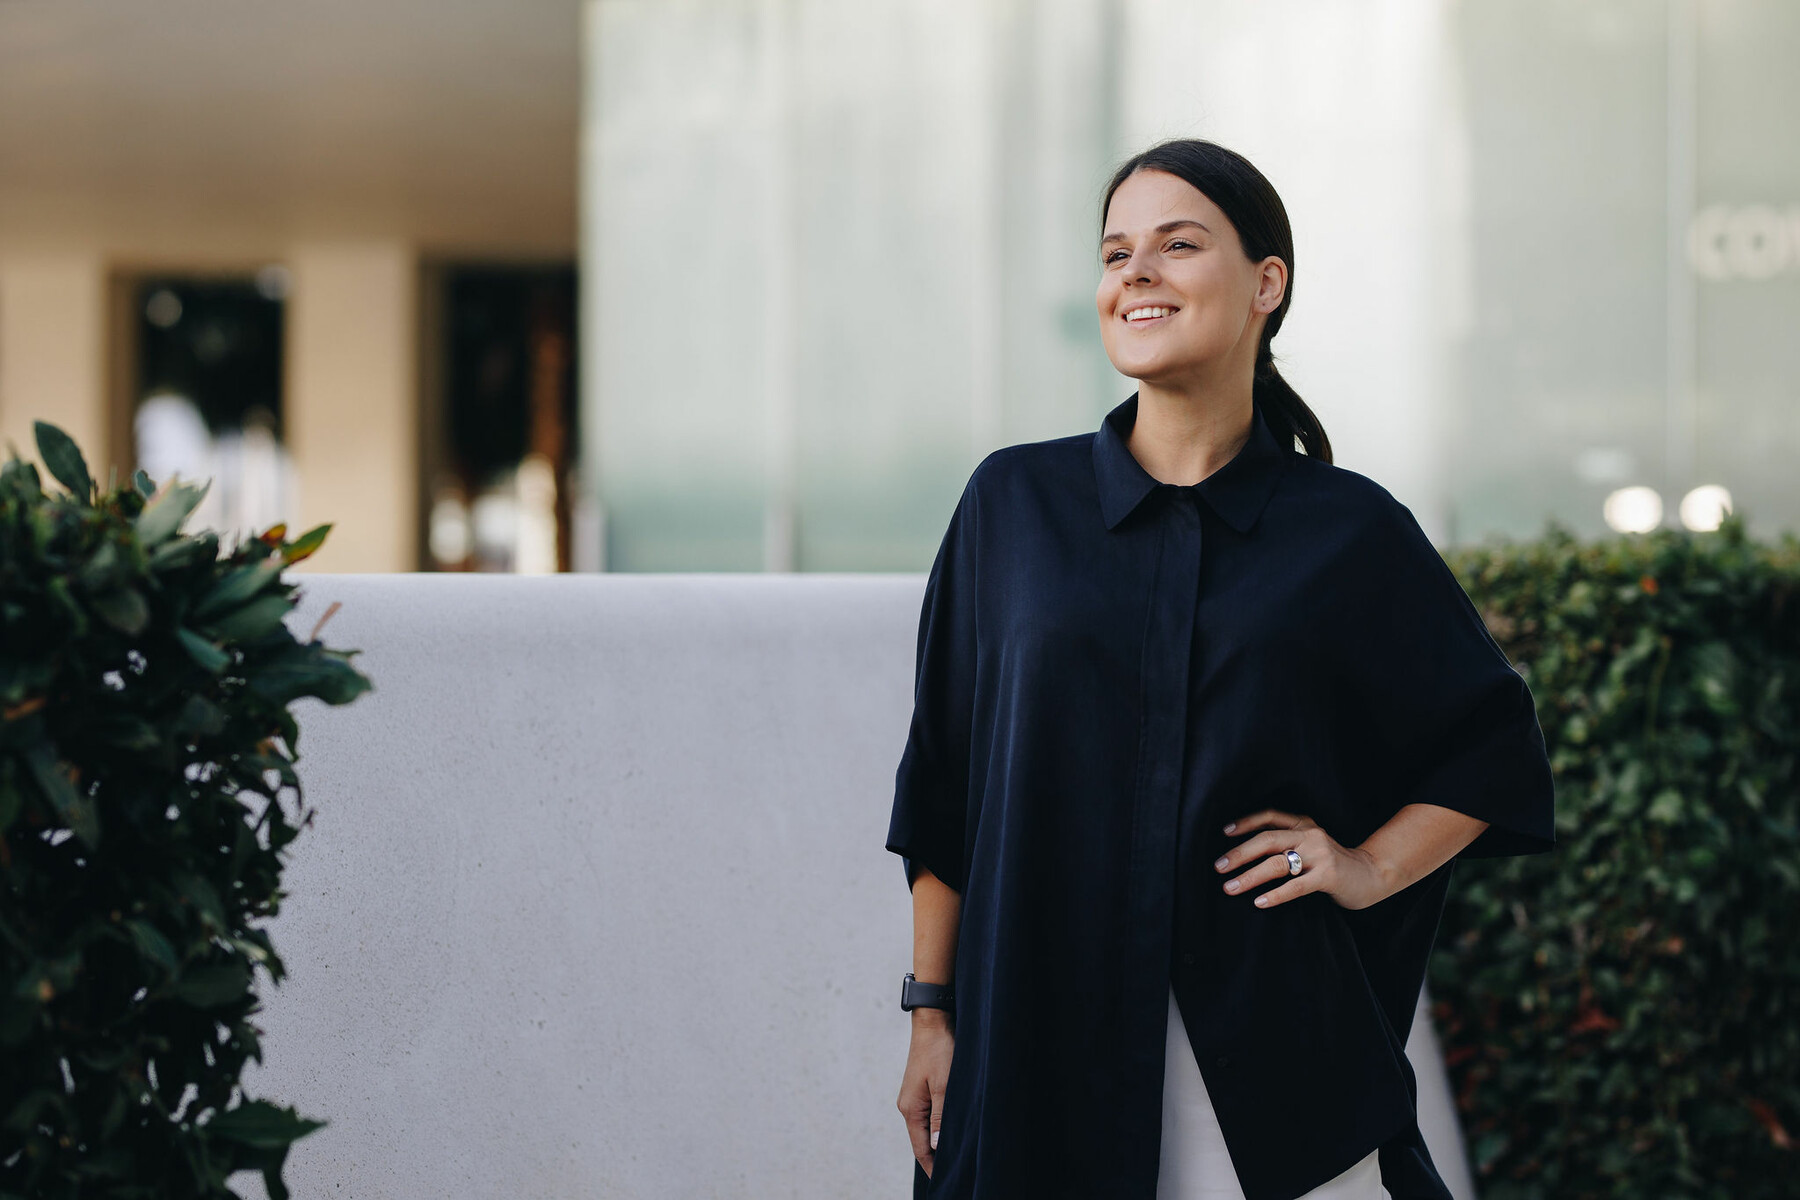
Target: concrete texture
596, 903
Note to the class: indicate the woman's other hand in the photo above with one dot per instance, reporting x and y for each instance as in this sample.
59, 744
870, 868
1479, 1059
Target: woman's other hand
1351, 876
922, 1088
1411, 844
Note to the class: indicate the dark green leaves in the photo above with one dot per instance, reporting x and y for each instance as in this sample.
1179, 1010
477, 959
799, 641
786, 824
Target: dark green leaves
213, 987
299, 671
166, 510
265, 1132
236, 588
261, 1124
147, 793
209, 655
1620, 1015
251, 621
153, 945
71, 806
125, 610
63, 460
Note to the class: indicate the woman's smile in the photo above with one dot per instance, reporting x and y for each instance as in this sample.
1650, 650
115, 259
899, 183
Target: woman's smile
1140, 316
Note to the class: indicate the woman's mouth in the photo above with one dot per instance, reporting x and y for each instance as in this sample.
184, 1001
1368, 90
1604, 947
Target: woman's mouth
1148, 314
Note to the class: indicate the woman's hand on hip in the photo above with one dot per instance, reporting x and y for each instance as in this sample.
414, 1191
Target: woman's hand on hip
1348, 874
922, 1087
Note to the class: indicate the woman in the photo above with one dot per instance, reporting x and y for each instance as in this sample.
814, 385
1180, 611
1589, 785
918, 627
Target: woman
1201, 723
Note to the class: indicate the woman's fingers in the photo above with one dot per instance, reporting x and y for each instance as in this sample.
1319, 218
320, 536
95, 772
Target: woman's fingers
922, 1092
1265, 869
920, 1108
1260, 847
1293, 889
1260, 819
1257, 848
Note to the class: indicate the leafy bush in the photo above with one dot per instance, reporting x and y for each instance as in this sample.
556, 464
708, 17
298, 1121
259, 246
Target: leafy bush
147, 789
1621, 1016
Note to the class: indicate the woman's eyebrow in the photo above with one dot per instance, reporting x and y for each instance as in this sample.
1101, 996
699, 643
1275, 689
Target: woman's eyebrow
1165, 227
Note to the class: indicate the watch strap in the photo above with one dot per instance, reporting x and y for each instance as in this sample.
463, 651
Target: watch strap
914, 994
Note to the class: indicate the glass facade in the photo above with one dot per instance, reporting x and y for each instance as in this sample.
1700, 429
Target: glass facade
1636, 241
833, 254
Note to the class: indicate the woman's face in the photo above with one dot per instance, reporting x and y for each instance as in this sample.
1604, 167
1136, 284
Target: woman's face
1168, 249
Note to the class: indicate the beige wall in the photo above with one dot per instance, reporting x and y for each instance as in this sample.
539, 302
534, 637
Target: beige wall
352, 401
352, 394
53, 352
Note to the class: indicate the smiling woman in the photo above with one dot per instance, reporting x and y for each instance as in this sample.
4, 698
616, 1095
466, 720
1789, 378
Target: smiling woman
1200, 722
1190, 297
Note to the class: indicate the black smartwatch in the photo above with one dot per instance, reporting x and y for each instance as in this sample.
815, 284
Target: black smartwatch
914, 994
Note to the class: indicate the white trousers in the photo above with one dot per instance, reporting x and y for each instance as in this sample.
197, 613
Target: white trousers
1195, 1163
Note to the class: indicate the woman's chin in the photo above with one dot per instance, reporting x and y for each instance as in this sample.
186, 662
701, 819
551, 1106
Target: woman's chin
1152, 372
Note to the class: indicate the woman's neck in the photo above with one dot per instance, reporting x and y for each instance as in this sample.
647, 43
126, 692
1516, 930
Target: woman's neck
1181, 437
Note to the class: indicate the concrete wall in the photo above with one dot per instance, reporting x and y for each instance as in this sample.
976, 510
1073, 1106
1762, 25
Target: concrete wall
596, 901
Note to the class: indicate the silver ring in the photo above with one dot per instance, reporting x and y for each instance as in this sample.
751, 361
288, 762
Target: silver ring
1293, 857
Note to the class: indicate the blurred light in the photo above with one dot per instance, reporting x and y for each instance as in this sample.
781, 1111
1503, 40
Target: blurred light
274, 281
536, 547
1753, 241
1705, 507
495, 520
449, 536
1604, 464
172, 440
163, 308
1634, 509
172, 437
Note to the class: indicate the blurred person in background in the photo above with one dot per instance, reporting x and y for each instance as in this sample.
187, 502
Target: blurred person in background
252, 477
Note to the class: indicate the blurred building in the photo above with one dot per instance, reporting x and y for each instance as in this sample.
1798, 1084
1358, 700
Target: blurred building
344, 229
831, 254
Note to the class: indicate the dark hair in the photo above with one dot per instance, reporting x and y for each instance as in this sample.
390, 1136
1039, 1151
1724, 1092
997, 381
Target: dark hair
1249, 202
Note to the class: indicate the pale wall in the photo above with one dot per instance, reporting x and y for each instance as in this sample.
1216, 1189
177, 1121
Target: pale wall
596, 902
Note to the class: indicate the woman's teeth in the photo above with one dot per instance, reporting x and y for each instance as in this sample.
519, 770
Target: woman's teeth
1146, 314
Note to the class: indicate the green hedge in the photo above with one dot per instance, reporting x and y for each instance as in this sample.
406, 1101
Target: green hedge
1621, 1016
147, 790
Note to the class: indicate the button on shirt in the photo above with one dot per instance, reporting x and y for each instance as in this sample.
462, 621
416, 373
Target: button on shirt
1109, 669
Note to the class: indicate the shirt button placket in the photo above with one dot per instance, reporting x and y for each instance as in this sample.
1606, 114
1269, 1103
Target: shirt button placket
1166, 657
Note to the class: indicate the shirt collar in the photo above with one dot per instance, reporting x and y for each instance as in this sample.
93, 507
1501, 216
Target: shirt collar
1236, 491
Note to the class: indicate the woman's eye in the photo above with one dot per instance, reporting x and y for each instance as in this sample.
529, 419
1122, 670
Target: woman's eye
1115, 255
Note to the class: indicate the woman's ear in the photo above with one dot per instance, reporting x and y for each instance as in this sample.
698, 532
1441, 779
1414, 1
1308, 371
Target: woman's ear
1271, 285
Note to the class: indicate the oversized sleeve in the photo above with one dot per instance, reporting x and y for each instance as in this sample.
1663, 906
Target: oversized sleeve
931, 786
1452, 716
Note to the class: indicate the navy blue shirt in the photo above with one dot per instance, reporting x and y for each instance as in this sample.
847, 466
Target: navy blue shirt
1111, 668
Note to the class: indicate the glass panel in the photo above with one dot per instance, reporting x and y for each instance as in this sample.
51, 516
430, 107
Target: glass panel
1562, 373
840, 253
1745, 257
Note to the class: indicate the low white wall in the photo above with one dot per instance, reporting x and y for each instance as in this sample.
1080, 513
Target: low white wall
596, 901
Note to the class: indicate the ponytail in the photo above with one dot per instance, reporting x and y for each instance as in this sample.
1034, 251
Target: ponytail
1287, 414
